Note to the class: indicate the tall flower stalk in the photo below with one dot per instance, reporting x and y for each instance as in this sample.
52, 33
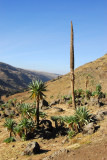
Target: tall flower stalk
72, 66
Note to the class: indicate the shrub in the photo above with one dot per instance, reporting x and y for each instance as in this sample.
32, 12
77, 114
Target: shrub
88, 94
76, 93
98, 88
79, 93
70, 101
93, 93
25, 110
19, 130
57, 119
64, 97
14, 102
10, 124
98, 92
25, 127
72, 122
75, 122
71, 133
10, 139
41, 114
83, 116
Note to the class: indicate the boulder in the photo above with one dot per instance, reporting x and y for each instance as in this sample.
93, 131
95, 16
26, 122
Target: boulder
62, 101
99, 116
57, 109
65, 140
32, 148
9, 112
104, 100
55, 102
56, 154
43, 103
45, 108
89, 128
103, 112
94, 102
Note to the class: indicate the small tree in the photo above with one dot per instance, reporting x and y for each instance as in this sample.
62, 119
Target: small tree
36, 89
10, 124
25, 110
25, 126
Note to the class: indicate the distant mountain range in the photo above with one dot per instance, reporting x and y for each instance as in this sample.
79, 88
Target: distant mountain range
14, 79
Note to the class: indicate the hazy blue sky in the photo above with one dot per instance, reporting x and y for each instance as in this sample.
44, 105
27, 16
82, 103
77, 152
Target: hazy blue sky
35, 34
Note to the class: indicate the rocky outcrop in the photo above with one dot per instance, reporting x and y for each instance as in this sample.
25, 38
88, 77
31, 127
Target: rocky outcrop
57, 109
55, 102
32, 148
9, 112
94, 102
56, 153
43, 104
89, 128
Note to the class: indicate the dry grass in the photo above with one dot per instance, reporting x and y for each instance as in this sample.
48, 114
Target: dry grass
56, 89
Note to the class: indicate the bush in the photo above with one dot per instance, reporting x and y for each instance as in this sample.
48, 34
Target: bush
25, 127
70, 101
72, 123
71, 133
98, 88
10, 139
98, 92
75, 93
25, 109
93, 93
88, 94
57, 119
10, 124
75, 122
82, 116
79, 93
64, 97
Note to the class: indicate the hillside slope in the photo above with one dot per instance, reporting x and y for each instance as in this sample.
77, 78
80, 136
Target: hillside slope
96, 72
14, 79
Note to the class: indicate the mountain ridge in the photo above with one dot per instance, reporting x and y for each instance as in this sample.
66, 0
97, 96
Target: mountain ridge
13, 79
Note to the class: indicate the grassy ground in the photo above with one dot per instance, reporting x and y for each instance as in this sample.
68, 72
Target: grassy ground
13, 150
